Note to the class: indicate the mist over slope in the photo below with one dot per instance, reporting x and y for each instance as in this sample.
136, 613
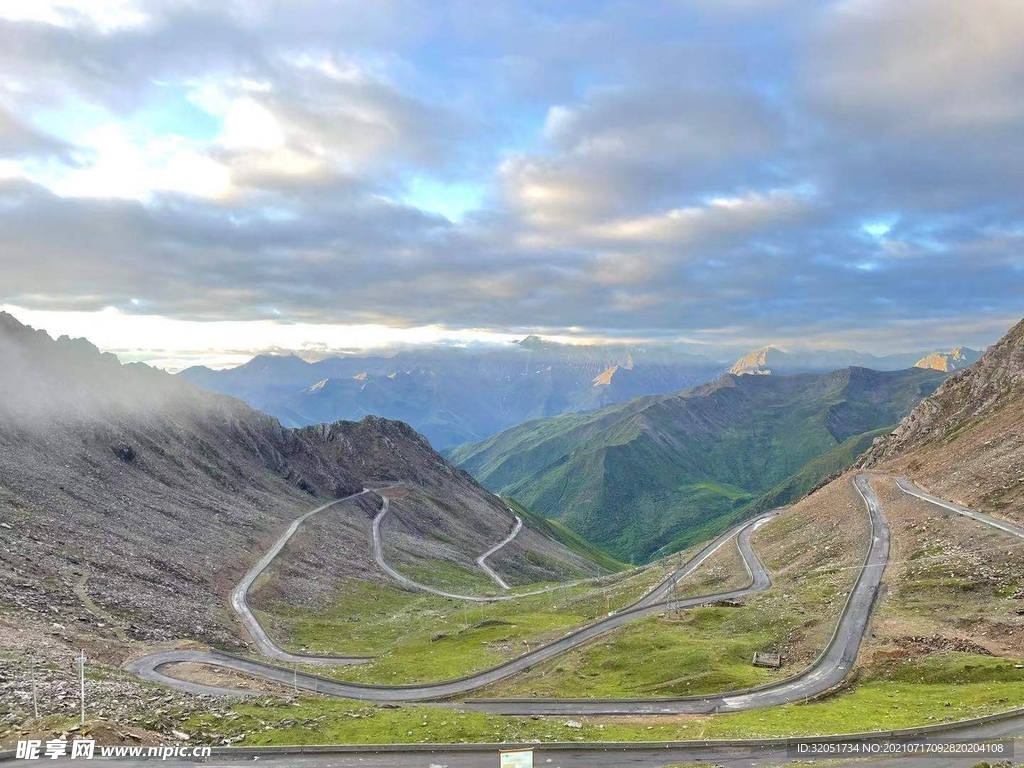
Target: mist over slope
660, 472
154, 496
966, 442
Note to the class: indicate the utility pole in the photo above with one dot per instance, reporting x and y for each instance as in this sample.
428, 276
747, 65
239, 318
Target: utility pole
35, 700
81, 681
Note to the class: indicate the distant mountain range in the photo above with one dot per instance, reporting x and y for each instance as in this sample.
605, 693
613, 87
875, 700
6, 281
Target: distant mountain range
658, 473
458, 395
772, 360
454, 395
954, 360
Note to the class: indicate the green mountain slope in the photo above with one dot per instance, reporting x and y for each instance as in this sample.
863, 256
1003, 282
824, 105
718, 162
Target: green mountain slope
657, 473
568, 538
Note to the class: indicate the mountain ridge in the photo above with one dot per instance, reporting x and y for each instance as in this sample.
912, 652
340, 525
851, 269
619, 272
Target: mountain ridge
454, 395
157, 494
662, 470
966, 441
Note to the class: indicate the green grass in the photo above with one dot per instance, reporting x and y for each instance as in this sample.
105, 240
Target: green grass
703, 650
419, 637
887, 699
449, 577
568, 537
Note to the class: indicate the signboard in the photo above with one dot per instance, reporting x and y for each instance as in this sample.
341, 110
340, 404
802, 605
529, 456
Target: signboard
516, 758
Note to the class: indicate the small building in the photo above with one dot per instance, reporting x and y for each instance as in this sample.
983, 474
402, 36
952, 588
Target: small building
767, 659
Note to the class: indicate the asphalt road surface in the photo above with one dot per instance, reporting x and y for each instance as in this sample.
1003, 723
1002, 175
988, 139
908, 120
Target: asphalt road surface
481, 561
1007, 527
831, 667
736, 755
150, 667
828, 670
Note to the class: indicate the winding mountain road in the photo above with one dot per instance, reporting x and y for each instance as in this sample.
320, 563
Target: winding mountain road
829, 669
240, 600
401, 578
151, 667
1003, 525
481, 561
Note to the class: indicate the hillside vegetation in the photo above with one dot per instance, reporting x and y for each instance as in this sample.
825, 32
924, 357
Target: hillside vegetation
657, 473
132, 494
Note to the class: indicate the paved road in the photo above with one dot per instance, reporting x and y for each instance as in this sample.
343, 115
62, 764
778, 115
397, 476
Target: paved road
737, 754
481, 561
240, 600
908, 487
665, 587
401, 578
151, 667
829, 669
378, 555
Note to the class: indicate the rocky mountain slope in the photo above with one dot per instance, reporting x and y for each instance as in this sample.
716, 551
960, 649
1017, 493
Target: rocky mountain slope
132, 494
659, 472
456, 395
772, 360
966, 442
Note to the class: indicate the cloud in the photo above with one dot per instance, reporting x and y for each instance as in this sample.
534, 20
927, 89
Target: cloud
626, 150
19, 139
735, 216
589, 168
922, 102
921, 67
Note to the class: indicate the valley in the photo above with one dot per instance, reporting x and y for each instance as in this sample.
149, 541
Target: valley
456, 395
879, 602
658, 473
517, 384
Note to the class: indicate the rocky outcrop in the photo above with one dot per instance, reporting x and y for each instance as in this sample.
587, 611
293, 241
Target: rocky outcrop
759, 362
968, 395
954, 360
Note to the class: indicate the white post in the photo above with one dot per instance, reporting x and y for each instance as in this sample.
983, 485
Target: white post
35, 700
295, 682
81, 680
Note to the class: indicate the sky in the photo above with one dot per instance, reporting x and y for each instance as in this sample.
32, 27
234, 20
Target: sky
197, 182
